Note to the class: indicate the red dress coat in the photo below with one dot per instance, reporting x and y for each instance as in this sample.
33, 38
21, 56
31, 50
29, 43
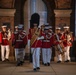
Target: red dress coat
37, 43
19, 40
4, 38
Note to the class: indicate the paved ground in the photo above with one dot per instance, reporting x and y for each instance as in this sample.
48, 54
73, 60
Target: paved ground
9, 68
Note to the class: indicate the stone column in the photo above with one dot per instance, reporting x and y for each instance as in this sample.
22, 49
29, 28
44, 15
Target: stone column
33, 6
7, 16
62, 18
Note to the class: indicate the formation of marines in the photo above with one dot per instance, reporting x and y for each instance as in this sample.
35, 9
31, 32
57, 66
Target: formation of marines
40, 41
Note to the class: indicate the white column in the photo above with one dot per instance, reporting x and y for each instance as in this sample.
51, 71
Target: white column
33, 6
42, 11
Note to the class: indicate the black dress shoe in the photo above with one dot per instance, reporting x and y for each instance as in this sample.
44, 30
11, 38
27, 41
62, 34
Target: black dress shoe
7, 60
21, 62
48, 64
42, 63
45, 64
34, 69
58, 61
67, 61
38, 68
18, 64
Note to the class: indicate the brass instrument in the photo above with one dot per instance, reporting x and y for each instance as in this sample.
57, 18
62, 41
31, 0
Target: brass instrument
59, 47
35, 36
69, 37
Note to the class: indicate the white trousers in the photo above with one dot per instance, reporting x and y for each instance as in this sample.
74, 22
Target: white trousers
46, 55
67, 53
5, 52
59, 57
36, 57
23, 53
19, 54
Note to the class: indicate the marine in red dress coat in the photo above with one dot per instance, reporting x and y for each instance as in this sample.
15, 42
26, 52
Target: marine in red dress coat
5, 36
19, 42
67, 41
35, 37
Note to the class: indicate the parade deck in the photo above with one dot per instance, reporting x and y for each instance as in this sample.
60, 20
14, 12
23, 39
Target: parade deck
10, 68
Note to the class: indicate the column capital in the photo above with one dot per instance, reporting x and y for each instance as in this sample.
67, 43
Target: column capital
7, 12
62, 13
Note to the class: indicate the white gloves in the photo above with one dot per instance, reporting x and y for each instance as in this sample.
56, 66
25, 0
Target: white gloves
40, 38
28, 43
9, 34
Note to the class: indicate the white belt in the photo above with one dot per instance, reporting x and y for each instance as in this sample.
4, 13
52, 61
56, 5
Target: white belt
4, 38
46, 40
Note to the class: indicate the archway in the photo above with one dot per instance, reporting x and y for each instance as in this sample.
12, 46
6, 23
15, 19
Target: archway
19, 15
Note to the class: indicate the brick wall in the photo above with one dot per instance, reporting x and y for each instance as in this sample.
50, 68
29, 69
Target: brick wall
6, 3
